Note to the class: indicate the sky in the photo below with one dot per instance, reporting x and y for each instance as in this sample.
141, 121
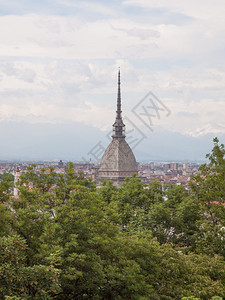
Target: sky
59, 61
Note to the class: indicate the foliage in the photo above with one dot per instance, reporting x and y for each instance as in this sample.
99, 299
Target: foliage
208, 187
6, 184
65, 239
18, 279
190, 298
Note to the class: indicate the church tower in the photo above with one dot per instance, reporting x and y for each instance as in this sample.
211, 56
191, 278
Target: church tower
118, 160
16, 179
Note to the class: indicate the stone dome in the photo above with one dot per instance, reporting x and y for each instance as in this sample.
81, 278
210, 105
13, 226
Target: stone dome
118, 157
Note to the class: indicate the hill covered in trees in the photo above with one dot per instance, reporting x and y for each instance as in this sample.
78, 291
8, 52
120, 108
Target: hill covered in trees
65, 239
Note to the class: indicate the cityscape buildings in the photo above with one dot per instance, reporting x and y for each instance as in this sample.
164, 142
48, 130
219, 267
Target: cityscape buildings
163, 172
117, 163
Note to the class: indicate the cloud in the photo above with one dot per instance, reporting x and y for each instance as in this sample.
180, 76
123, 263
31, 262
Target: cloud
85, 92
94, 8
197, 118
44, 112
63, 67
198, 9
70, 37
141, 33
186, 114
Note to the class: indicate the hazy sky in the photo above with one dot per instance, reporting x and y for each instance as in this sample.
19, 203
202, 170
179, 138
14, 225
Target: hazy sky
59, 61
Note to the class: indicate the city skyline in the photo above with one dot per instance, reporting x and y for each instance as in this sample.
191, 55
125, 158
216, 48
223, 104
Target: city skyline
58, 65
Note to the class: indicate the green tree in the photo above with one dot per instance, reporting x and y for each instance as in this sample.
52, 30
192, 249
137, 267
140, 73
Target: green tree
68, 240
19, 279
175, 219
5, 211
6, 185
209, 189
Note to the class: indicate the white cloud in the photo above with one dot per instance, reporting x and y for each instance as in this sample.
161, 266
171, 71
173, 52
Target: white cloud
63, 37
69, 37
49, 113
95, 8
199, 9
196, 118
63, 68
69, 91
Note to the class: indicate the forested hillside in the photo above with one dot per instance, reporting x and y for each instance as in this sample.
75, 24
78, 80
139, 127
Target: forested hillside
65, 239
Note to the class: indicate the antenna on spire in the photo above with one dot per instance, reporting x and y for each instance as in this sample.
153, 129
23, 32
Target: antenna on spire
119, 98
118, 125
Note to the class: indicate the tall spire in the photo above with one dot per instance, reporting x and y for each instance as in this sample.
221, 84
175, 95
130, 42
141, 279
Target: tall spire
118, 126
118, 112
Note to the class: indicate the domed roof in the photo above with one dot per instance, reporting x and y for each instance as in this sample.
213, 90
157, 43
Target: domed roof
118, 157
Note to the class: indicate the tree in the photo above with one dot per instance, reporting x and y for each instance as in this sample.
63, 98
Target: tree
17, 279
209, 189
175, 219
6, 184
64, 239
